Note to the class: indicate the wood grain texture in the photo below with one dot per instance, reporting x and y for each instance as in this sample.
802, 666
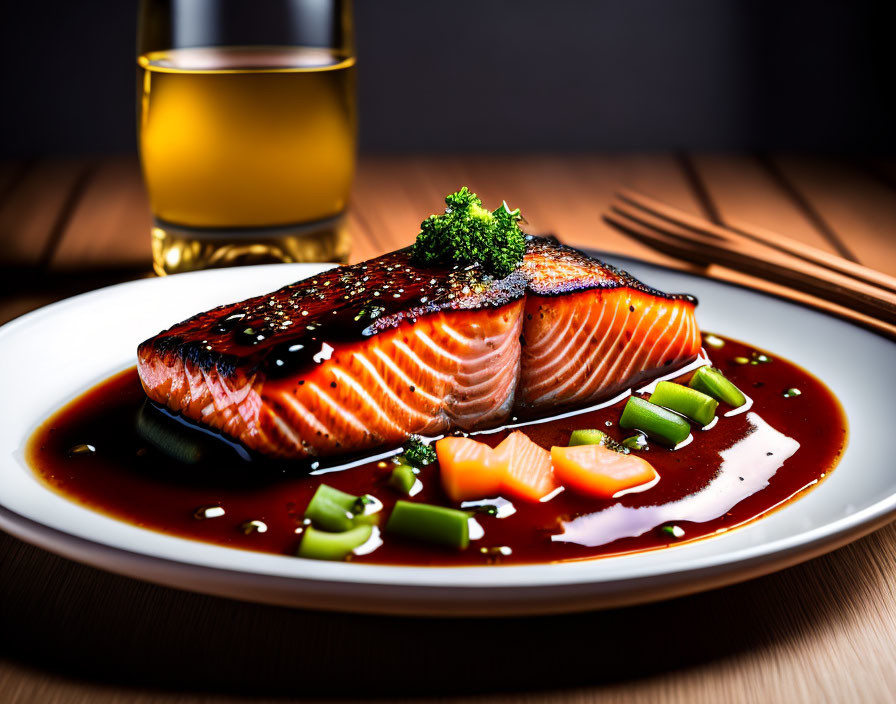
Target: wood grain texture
743, 190
860, 208
35, 207
818, 632
824, 631
564, 196
110, 225
699, 241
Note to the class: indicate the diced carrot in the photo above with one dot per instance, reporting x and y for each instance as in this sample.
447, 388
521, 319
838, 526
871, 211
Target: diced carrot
596, 470
526, 471
516, 468
467, 469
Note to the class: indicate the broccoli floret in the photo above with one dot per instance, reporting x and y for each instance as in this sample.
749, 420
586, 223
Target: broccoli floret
417, 453
468, 233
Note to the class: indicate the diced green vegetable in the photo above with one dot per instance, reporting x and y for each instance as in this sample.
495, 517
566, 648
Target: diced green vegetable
403, 478
587, 437
435, 524
331, 509
694, 404
592, 436
655, 421
417, 453
322, 545
711, 381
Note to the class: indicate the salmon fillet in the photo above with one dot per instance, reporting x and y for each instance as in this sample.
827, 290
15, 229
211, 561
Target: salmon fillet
362, 356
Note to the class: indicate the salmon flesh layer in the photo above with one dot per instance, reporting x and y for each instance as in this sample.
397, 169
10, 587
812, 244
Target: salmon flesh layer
363, 356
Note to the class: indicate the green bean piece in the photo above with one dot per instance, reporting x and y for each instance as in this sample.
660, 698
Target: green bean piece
321, 545
694, 404
595, 437
711, 381
654, 421
403, 478
434, 524
587, 437
331, 509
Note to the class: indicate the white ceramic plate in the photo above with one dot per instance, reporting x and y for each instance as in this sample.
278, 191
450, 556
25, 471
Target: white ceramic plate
54, 354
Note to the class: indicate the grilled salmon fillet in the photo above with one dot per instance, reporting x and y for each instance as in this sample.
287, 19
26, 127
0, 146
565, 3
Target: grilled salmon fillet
363, 356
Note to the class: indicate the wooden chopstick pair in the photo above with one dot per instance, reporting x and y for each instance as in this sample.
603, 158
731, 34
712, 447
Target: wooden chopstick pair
857, 292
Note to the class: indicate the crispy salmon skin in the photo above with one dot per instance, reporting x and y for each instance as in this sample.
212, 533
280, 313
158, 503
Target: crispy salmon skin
362, 356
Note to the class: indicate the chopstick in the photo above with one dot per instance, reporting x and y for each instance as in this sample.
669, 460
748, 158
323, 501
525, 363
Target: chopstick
750, 233
867, 304
766, 263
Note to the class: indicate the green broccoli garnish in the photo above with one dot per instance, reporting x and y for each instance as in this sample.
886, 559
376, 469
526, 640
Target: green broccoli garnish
468, 233
417, 453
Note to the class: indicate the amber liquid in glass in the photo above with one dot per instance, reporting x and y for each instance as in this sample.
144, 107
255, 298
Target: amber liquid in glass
248, 154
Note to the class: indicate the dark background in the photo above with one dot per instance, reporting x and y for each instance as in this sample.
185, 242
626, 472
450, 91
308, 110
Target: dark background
512, 74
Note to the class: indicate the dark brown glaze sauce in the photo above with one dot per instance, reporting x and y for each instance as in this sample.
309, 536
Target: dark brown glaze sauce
131, 479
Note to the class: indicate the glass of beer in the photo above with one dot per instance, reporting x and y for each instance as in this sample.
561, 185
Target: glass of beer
247, 129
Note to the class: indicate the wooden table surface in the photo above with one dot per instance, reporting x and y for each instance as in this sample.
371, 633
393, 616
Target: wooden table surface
822, 631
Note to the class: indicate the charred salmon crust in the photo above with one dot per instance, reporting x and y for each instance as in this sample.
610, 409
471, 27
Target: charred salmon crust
363, 356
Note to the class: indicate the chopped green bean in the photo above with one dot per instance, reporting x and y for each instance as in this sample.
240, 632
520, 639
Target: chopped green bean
587, 437
655, 421
689, 402
403, 478
595, 437
321, 545
711, 381
331, 509
435, 524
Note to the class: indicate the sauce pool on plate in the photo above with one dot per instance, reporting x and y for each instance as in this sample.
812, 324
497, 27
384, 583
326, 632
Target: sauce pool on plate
113, 452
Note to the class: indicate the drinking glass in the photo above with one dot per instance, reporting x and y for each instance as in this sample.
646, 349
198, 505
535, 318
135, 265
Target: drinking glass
247, 129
